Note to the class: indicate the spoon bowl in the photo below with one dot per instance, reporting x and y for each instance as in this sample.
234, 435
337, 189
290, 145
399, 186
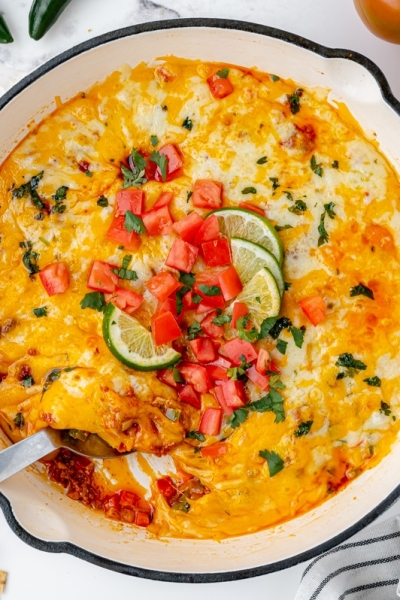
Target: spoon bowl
22, 454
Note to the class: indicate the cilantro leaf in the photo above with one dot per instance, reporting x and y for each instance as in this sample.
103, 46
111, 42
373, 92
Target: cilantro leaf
194, 330
187, 279
135, 175
298, 335
223, 73
30, 258
249, 335
281, 345
283, 227
262, 160
274, 78
298, 207
51, 378
249, 190
323, 234
29, 189
93, 300
267, 325
316, 167
161, 161
280, 325
238, 417
347, 360
272, 402
373, 381
27, 381
294, 100
195, 435
335, 164
153, 140
133, 223
303, 428
275, 463
210, 290
19, 420
124, 272
102, 201
221, 319
40, 312
274, 181
385, 408
329, 209
362, 290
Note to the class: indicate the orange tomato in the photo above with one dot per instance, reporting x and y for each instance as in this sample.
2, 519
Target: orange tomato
382, 17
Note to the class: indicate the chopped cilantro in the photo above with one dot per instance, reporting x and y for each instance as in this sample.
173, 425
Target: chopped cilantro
124, 272
28, 381
133, 223
316, 167
88, 173
239, 372
275, 463
281, 345
223, 73
335, 164
30, 258
135, 175
19, 420
373, 381
262, 160
187, 279
298, 335
385, 408
289, 195
196, 435
153, 140
161, 161
102, 201
352, 365
51, 378
238, 417
188, 196
188, 124
272, 402
303, 428
274, 181
267, 325
249, 190
283, 227
323, 234
196, 299
298, 207
194, 330
329, 209
249, 335
274, 78
362, 290
288, 285
258, 299
93, 300
40, 312
29, 189
279, 326
210, 290
221, 319
294, 100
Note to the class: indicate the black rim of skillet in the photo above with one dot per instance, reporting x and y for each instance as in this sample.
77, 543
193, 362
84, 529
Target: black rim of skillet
69, 548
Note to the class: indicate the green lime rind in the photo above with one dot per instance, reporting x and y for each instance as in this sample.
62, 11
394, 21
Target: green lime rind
249, 258
248, 225
133, 345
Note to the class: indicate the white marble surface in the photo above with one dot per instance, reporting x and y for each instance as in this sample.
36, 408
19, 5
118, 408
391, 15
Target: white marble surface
35, 575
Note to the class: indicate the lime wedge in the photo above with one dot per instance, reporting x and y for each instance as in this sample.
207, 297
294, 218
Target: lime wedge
133, 344
261, 294
249, 258
245, 224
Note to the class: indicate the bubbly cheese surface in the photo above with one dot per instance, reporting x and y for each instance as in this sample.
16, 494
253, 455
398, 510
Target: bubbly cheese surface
316, 156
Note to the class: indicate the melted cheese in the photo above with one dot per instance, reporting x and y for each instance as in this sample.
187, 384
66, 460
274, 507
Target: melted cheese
350, 431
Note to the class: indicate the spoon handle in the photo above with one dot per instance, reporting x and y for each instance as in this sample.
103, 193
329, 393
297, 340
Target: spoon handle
24, 453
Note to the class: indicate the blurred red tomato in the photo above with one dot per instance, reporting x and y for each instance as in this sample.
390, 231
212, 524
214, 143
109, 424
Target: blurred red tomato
382, 17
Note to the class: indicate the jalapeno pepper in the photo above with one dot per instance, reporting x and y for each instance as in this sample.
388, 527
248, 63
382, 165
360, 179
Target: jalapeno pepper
43, 15
5, 35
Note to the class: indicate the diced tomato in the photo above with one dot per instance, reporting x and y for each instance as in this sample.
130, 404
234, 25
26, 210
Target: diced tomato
255, 209
207, 193
210, 303
264, 362
158, 221
126, 300
314, 309
182, 256
130, 199
209, 279
101, 278
217, 373
208, 231
210, 422
261, 381
188, 226
220, 87
167, 305
221, 362
142, 518
167, 376
164, 200
84, 166
174, 163
215, 450
219, 394
234, 394
196, 375
118, 234
236, 348
240, 309
207, 325
230, 283
127, 498
189, 395
187, 301
217, 253
203, 349
150, 168
111, 506
166, 488
55, 278
165, 328
162, 285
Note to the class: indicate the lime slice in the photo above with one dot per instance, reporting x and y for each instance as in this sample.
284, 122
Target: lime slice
249, 258
248, 225
133, 344
261, 294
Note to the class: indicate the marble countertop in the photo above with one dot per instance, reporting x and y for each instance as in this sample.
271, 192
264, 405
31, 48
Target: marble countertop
41, 576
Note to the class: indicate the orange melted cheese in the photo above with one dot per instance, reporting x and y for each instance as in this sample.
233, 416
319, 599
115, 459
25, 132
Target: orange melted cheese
350, 431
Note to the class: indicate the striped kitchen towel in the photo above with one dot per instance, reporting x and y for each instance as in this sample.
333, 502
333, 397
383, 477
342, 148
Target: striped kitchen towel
367, 567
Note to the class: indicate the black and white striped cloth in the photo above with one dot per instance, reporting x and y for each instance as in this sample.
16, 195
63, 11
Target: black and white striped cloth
367, 567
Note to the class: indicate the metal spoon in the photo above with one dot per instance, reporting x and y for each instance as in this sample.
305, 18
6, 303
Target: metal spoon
24, 453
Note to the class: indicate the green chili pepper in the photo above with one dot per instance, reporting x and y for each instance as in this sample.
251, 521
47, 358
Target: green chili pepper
5, 34
43, 15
